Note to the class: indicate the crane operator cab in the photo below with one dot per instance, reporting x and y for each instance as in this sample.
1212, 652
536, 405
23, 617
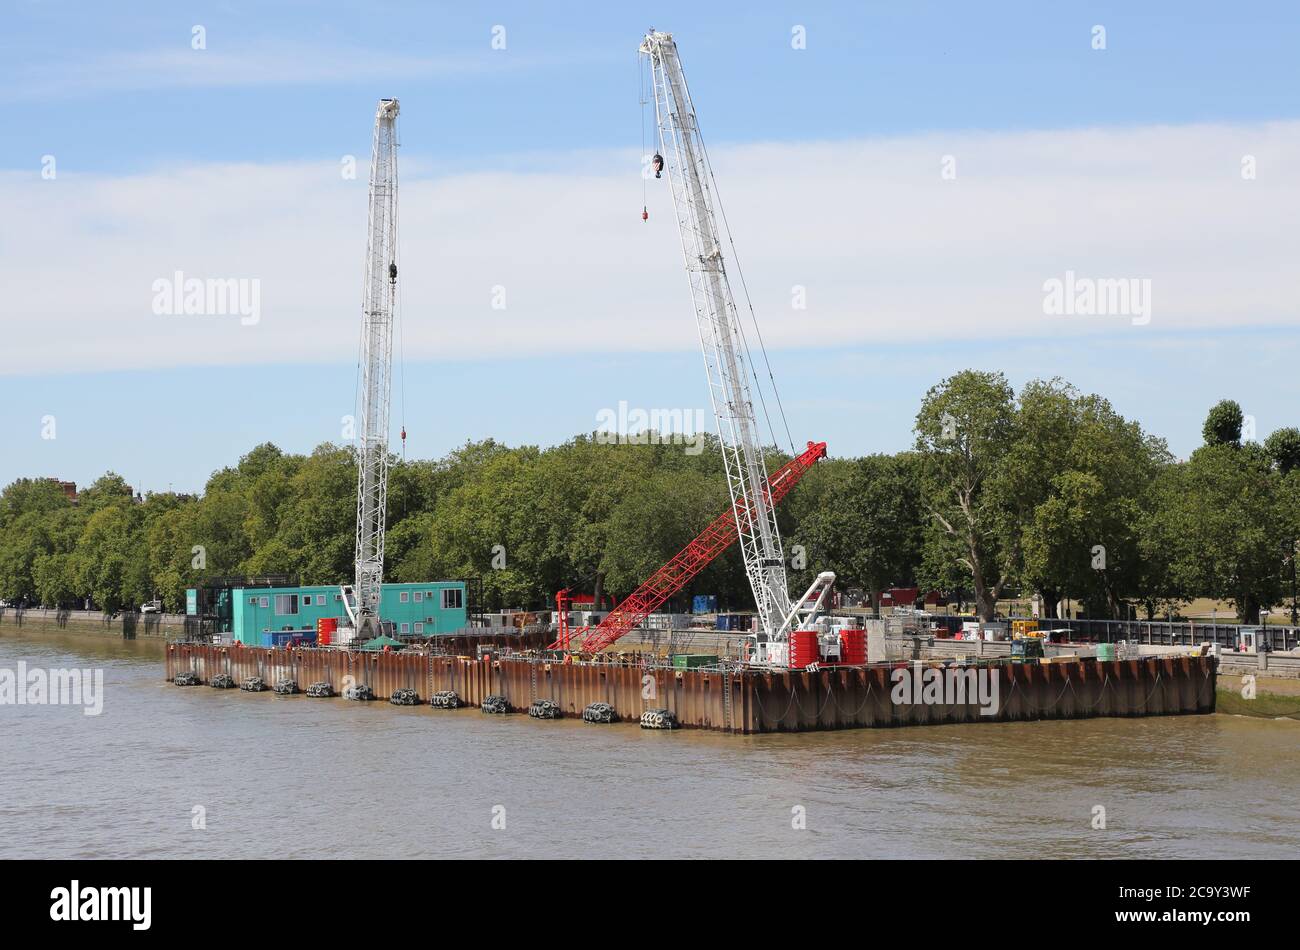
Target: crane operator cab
763, 650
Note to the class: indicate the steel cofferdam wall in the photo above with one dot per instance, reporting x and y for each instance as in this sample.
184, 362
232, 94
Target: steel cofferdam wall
782, 701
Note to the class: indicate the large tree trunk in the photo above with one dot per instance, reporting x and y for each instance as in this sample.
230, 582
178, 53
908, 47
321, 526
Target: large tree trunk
1249, 609
598, 591
986, 603
1113, 605
1049, 598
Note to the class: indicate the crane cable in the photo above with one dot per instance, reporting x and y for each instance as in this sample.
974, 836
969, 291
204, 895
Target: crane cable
641, 86
397, 308
722, 211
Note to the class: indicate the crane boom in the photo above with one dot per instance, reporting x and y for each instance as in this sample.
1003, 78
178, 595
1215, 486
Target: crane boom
378, 303
692, 559
721, 338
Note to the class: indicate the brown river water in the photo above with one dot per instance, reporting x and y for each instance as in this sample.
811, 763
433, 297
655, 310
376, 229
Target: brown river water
287, 776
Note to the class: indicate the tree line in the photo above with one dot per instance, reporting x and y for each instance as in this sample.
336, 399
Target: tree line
1048, 492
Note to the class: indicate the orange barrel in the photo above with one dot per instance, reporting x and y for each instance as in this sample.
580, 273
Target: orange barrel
853, 647
325, 628
803, 648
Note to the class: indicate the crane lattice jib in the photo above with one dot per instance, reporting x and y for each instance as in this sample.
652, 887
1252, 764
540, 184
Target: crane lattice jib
378, 301
721, 337
696, 556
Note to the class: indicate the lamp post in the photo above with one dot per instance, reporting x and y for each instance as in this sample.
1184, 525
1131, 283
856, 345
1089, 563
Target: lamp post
1292, 546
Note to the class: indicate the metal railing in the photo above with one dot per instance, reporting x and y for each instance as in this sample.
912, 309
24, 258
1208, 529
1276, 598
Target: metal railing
1158, 632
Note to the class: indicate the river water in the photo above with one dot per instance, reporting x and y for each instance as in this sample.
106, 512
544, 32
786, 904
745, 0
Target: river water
295, 777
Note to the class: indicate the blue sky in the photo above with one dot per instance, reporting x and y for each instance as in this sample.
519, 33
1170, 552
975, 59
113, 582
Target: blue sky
141, 124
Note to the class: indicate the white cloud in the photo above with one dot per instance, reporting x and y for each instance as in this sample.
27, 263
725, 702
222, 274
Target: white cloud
886, 249
255, 63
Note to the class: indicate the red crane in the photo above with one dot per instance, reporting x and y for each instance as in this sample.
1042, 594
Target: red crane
690, 560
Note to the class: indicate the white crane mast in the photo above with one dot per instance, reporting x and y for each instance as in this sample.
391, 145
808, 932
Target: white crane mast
720, 335
378, 302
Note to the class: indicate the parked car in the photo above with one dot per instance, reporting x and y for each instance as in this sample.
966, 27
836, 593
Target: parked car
152, 607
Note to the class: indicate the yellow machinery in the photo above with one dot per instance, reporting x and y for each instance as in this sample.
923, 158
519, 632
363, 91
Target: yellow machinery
1021, 629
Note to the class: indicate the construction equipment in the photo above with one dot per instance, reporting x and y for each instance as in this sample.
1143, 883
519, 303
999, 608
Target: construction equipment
1025, 628
562, 629
379, 300
1026, 648
673, 577
683, 156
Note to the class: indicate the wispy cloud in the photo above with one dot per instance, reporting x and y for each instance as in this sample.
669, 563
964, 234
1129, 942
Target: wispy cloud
886, 251
255, 64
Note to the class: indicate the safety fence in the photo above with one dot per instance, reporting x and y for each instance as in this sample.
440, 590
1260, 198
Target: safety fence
1159, 632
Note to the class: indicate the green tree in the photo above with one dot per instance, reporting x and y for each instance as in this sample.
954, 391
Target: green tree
32, 520
964, 430
1283, 447
1164, 585
1083, 539
103, 557
1223, 424
56, 583
868, 527
1228, 525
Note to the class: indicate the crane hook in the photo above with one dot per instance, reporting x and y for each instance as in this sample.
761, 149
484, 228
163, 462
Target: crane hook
645, 214
392, 272
659, 165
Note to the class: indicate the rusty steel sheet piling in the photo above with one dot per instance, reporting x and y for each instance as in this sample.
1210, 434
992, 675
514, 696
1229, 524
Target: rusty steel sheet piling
733, 700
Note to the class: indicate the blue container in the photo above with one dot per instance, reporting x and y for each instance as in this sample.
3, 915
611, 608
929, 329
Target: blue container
705, 604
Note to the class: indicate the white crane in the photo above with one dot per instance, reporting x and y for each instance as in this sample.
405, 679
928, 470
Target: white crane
722, 342
379, 298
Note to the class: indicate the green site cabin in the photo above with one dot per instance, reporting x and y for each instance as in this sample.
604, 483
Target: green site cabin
425, 609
